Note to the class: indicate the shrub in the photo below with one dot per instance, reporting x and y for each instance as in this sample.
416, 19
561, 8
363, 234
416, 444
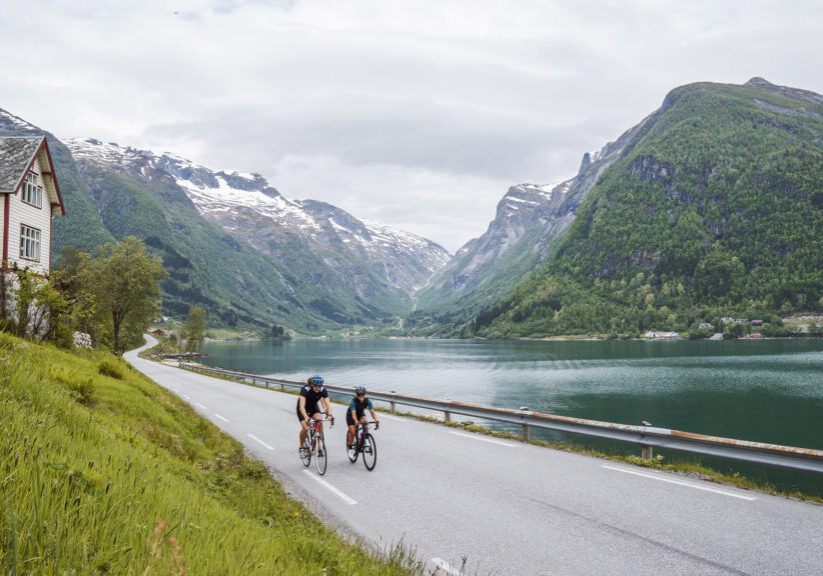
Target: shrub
82, 391
110, 368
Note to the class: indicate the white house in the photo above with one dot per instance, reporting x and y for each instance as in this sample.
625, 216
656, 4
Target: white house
29, 197
662, 335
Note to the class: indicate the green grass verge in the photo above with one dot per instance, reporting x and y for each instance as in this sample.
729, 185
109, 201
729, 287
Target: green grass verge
102, 471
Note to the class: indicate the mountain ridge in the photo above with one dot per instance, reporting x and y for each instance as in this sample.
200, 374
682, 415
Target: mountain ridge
713, 208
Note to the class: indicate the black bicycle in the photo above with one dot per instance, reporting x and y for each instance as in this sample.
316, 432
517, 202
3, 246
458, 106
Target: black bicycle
315, 446
364, 444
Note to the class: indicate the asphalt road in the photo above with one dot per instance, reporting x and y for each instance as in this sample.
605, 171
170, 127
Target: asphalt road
511, 508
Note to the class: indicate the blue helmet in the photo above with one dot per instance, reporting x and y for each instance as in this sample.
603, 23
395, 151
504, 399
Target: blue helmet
315, 381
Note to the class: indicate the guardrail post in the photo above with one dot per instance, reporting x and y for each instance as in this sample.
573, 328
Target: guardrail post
282, 387
525, 432
447, 416
647, 453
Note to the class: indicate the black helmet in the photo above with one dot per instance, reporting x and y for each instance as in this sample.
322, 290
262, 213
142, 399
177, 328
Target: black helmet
315, 381
359, 391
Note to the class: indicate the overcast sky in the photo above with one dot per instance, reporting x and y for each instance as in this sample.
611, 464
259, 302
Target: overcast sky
418, 115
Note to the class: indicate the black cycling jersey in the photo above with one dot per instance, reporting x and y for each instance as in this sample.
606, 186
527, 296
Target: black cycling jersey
359, 407
312, 400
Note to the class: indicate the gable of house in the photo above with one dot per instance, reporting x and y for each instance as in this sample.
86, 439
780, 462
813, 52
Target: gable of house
29, 197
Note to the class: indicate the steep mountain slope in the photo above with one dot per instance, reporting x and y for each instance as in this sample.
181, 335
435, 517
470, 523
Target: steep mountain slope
345, 270
322, 269
529, 220
715, 206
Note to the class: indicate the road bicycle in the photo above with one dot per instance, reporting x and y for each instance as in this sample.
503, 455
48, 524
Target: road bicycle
315, 445
364, 444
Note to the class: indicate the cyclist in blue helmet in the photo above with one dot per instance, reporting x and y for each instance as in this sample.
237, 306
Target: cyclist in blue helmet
357, 413
313, 400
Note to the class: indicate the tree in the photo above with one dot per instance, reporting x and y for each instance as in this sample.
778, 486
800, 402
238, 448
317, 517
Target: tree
125, 286
194, 329
72, 277
36, 304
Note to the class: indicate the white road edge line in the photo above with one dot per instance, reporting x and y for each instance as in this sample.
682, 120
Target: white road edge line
679, 482
442, 564
476, 437
186, 396
344, 497
256, 439
392, 418
223, 419
203, 407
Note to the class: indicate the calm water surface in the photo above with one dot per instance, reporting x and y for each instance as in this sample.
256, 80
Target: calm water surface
767, 391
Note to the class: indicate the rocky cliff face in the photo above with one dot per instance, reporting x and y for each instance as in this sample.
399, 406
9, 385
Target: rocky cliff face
529, 219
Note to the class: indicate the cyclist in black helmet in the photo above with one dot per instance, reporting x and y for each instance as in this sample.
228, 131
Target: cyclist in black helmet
313, 399
357, 413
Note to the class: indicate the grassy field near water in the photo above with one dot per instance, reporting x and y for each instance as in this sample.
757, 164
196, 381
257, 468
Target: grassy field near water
104, 472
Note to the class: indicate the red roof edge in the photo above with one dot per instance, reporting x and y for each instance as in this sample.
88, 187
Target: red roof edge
43, 144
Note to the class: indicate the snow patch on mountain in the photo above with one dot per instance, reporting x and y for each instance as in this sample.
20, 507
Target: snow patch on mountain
247, 205
9, 121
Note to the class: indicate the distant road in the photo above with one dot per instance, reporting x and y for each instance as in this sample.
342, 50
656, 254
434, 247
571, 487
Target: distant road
512, 508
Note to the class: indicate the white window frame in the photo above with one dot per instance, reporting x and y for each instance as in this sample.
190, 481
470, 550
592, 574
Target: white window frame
32, 191
29, 243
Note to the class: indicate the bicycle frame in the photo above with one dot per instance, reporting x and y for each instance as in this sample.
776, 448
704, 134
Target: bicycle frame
311, 444
361, 446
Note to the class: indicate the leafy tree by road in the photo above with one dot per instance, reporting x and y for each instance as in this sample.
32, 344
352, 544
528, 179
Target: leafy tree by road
195, 329
125, 285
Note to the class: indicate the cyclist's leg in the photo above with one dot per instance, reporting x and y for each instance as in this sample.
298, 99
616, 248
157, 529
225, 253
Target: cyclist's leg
302, 428
352, 427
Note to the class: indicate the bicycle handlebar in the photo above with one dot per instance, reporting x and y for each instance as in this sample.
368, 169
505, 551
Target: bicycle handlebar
326, 418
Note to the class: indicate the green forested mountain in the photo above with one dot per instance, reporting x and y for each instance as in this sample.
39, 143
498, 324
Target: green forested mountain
237, 282
715, 208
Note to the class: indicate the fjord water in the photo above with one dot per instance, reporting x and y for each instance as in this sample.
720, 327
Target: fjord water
766, 391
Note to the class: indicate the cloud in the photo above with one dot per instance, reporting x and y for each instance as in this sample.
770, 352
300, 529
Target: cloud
447, 103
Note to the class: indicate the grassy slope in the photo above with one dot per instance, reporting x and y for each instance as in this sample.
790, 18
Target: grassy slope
113, 474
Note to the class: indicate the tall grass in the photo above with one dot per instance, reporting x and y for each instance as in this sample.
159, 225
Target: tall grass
103, 472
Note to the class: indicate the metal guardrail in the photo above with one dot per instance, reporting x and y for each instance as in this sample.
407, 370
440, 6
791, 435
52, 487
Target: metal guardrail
648, 437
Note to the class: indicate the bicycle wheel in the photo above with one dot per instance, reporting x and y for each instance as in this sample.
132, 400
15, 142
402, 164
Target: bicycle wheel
352, 452
369, 452
305, 455
320, 456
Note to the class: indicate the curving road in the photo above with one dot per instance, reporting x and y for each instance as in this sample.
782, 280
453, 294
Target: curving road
490, 506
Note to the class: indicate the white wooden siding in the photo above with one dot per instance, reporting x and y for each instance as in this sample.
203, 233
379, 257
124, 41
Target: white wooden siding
40, 218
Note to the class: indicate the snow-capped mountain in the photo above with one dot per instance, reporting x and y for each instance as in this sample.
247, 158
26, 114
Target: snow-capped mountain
369, 257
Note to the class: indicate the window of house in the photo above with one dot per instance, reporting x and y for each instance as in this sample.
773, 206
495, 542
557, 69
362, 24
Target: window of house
29, 243
32, 192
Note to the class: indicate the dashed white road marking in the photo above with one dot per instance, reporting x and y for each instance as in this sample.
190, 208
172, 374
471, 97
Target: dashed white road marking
186, 396
443, 565
255, 438
337, 492
489, 440
678, 482
203, 407
216, 415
